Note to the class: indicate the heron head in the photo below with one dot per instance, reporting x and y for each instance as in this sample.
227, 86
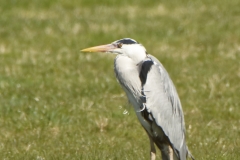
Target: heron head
126, 47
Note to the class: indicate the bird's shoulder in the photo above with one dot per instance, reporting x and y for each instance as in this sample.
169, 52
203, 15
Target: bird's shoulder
154, 77
162, 100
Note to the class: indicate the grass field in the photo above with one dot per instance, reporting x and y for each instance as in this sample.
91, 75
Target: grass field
58, 103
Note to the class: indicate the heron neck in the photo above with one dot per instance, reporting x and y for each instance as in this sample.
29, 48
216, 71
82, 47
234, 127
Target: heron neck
137, 58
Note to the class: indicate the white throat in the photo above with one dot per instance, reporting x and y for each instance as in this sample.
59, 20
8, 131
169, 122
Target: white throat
135, 51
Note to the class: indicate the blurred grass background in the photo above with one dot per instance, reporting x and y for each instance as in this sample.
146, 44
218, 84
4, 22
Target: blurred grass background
58, 103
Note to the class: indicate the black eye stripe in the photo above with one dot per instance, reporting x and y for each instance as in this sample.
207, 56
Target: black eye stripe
127, 41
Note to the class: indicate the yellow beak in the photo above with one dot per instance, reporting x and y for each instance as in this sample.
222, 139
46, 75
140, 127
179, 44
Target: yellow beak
102, 48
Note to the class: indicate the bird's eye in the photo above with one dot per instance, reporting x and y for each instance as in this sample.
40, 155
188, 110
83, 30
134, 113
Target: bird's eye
119, 45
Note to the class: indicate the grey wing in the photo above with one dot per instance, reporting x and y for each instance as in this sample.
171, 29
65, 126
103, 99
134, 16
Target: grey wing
163, 103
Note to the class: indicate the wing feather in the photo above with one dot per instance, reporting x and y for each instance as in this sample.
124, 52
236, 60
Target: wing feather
163, 103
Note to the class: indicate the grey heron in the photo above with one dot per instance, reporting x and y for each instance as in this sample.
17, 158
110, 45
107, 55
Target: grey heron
153, 96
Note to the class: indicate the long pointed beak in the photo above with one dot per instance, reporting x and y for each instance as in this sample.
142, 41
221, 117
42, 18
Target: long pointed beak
102, 48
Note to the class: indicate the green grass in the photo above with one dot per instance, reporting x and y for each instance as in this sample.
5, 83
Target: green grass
58, 103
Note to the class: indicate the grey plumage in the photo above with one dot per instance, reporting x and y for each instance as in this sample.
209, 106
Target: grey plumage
153, 96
